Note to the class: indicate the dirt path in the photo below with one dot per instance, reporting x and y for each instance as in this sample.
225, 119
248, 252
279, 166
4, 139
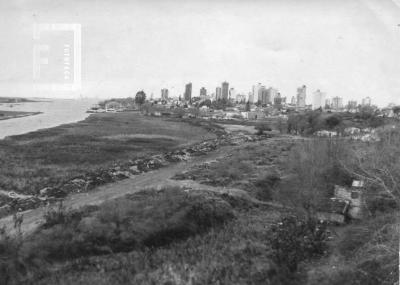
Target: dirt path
153, 179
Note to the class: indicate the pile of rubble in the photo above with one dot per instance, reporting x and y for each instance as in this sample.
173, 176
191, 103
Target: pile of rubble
90, 180
347, 204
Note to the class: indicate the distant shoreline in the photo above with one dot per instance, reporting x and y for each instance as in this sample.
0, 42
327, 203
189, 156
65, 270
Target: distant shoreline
19, 100
8, 115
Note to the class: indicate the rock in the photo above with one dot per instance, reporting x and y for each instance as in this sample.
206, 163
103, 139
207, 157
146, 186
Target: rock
122, 174
62, 191
78, 181
45, 191
134, 169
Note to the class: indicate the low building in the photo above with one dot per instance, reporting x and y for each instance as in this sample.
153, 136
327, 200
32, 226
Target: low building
354, 196
327, 134
255, 115
351, 131
347, 203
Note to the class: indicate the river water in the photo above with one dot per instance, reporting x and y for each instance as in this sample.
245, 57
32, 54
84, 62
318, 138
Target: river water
54, 112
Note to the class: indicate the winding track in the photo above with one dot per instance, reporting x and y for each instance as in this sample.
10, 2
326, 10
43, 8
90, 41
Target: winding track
153, 179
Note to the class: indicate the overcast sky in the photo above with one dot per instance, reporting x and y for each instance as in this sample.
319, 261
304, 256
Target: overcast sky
345, 48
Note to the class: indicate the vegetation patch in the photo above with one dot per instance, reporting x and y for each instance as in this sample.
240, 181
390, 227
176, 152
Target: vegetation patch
148, 219
44, 158
235, 253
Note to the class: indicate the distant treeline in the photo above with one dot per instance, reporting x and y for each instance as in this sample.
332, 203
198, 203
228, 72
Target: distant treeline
313, 121
14, 100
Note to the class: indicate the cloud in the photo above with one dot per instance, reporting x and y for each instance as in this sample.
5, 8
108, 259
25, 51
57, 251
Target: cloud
346, 48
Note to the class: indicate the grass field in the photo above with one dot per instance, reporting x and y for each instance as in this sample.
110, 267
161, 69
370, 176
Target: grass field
34, 160
150, 237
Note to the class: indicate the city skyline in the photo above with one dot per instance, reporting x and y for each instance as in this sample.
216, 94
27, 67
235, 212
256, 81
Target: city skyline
344, 48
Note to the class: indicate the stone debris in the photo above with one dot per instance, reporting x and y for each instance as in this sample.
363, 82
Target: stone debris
90, 180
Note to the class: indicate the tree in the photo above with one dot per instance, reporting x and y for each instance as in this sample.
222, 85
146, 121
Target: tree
396, 110
206, 102
179, 112
147, 108
221, 104
333, 121
379, 165
262, 127
366, 113
281, 124
292, 124
140, 97
313, 164
195, 112
248, 106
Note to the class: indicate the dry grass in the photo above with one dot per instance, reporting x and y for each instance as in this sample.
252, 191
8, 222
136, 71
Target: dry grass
141, 221
237, 253
46, 157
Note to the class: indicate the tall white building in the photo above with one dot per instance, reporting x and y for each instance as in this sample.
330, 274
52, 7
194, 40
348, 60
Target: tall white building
240, 98
232, 93
366, 101
225, 90
164, 94
256, 89
218, 93
328, 103
319, 99
251, 97
301, 96
272, 94
337, 103
203, 93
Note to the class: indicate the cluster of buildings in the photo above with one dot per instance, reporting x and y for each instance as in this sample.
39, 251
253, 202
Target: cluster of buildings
336, 103
221, 93
261, 96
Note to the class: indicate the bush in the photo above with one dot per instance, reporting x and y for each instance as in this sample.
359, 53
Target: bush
14, 266
367, 254
235, 253
150, 218
265, 186
294, 240
315, 165
354, 237
262, 127
381, 204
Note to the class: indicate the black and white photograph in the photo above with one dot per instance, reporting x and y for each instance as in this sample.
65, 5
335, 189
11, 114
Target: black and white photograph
199, 142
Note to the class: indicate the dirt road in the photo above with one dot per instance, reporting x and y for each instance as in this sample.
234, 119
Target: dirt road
153, 179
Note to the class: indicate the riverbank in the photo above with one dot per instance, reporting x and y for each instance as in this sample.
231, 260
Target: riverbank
52, 114
238, 195
51, 157
13, 100
7, 115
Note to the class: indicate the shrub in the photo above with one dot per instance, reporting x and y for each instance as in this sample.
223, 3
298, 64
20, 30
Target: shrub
381, 203
14, 266
262, 127
149, 218
294, 240
354, 237
265, 186
315, 167
367, 254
